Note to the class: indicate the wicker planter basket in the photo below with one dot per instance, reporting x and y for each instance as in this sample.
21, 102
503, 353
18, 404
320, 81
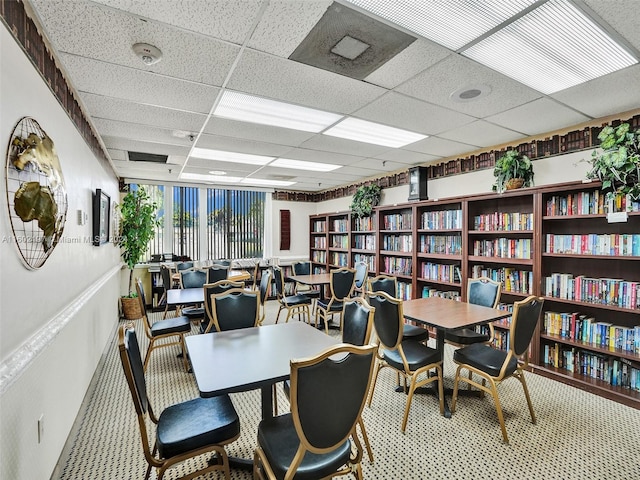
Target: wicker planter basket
514, 183
131, 308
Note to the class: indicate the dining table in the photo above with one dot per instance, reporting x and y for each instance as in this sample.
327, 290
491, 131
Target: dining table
252, 358
320, 279
446, 314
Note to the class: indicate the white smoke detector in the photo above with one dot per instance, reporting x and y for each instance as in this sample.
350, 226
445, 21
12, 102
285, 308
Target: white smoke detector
147, 53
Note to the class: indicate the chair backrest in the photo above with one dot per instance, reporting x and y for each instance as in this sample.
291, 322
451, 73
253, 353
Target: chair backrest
384, 283
362, 269
484, 291
223, 262
320, 383
357, 321
217, 288
301, 268
216, 273
265, 281
192, 278
342, 283
142, 301
388, 319
278, 277
236, 308
184, 266
526, 315
165, 273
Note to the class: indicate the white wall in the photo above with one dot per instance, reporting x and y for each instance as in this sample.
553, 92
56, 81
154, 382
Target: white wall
55, 321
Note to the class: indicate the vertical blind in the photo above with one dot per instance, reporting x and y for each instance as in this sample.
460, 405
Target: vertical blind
186, 220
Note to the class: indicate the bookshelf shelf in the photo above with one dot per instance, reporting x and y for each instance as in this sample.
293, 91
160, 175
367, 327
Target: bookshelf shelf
505, 261
439, 256
588, 257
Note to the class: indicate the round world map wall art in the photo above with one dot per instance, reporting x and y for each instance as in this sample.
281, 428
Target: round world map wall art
36, 194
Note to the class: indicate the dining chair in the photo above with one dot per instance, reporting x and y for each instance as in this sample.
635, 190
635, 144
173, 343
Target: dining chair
408, 358
216, 288
234, 309
389, 285
341, 283
316, 439
265, 283
297, 304
357, 325
480, 291
495, 366
183, 266
304, 268
216, 273
178, 437
167, 284
360, 281
193, 278
162, 329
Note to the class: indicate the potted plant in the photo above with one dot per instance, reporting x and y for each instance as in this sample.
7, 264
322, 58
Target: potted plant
512, 170
365, 198
137, 228
617, 164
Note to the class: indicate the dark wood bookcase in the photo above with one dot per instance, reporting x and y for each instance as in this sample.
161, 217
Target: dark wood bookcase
550, 241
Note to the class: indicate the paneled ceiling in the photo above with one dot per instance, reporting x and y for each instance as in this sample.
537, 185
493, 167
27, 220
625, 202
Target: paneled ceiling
210, 46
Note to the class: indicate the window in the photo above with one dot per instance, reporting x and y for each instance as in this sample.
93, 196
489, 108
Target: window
235, 223
156, 193
186, 221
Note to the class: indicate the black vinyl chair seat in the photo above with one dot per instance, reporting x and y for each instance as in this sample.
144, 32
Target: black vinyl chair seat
171, 325
466, 336
278, 438
193, 313
298, 299
330, 306
416, 354
193, 424
414, 333
485, 358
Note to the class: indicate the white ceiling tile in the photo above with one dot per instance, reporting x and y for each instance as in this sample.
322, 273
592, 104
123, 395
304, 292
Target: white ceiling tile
301, 84
405, 112
231, 144
285, 24
437, 83
133, 131
255, 131
622, 15
136, 86
126, 111
540, 116
322, 156
120, 143
375, 167
482, 133
613, 93
418, 56
229, 20
440, 147
117, 155
231, 169
341, 145
407, 157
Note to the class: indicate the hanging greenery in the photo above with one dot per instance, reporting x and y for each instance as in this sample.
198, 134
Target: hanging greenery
365, 198
512, 170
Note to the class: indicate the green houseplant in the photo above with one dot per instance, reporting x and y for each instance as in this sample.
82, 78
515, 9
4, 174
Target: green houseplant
137, 228
365, 198
512, 170
617, 163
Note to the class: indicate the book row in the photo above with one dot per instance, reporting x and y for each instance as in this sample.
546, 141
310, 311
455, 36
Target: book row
340, 259
600, 291
440, 272
397, 243
513, 280
613, 371
399, 221
503, 221
441, 244
618, 244
583, 328
404, 290
368, 259
503, 248
339, 241
398, 266
364, 242
340, 225
319, 242
364, 224
319, 256
442, 220
319, 226
434, 292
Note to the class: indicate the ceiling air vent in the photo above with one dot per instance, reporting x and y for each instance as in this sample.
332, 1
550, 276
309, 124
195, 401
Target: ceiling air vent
147, 157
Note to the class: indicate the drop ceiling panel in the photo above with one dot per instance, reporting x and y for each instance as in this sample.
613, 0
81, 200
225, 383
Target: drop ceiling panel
257, 132
407, 157
616, 92
482, 133
105, 34
539, 116
410, 114
342, 145
137, 86
376, 167
228, 20
137, 132
293, 82
418, 56
308, 155
231, 144
128, 145
285, 24
203, 163
126, 111
437, 83
117, 155
440, 147
621, 15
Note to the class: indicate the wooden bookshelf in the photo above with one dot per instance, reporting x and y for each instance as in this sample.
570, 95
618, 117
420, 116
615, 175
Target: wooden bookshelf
523, 238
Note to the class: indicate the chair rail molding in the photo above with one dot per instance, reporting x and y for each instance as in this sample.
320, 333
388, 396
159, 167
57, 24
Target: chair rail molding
17, 363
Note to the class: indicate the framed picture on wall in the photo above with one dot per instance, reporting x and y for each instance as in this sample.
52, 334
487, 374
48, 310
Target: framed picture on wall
101, 220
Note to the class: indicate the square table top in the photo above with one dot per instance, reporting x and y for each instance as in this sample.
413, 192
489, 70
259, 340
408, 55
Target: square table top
250, 358
449, 314
314, 279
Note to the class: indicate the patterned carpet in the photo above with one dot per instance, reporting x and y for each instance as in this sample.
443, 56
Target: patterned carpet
578, 435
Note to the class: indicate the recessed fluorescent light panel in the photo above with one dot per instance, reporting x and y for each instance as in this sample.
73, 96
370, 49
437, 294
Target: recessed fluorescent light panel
247, 108
552, 48
370, 132
449, 23
222, 156
300, 165
266, 183
200, 177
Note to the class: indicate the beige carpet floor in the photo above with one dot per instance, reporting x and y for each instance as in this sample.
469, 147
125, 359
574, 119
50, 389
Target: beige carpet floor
578, 435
